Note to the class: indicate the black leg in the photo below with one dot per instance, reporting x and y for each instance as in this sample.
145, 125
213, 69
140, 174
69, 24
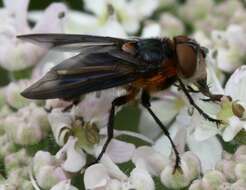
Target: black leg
192, 102
147, 105
110, 132
69, 107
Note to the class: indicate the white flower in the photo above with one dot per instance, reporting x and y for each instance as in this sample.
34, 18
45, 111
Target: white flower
16, 54
72, 157
231, 47
195, 10
137, 10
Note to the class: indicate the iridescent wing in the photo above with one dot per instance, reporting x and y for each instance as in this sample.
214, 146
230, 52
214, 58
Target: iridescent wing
101, 64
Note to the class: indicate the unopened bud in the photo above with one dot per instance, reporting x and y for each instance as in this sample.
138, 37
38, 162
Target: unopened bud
240, 170
213, 179
175, 180
240, 154
227, 167
239, 185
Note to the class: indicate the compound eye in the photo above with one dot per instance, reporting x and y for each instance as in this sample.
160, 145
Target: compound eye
187, 59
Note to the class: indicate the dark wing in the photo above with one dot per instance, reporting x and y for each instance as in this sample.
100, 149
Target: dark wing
85, 73
72, 42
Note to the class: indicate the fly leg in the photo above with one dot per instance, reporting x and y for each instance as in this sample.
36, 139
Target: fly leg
110, 128
192, 102
69, 107
146, 103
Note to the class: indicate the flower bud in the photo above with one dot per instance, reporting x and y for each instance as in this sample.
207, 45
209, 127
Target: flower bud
13, 96
190, 169
240, 170
41, 159
26, 130
6, 146
175, 180
240, 154
190, 165
227, 167
196, 185
239, 185
16, 160
213, 179
225, 186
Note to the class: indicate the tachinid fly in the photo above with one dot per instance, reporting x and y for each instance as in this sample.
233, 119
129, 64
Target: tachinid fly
142, 66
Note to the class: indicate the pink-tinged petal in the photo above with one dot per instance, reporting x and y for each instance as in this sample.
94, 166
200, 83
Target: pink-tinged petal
18, 9
52, 20
207, 155
120, 151
96, 176
148, 159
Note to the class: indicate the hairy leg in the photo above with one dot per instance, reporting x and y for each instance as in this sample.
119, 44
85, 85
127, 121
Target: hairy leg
146, 103
192, 102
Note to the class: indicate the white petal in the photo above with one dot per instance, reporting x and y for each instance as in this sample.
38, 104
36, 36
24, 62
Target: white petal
97, 6
53, 14
148, 159
75, 158
148, 126
120, 151
207, 155
19, 10
141, 179
64, 185
112, 169
96, 176
204, 129
151, 30
236, 85
235, 125
163, 144
111, 28
60, 122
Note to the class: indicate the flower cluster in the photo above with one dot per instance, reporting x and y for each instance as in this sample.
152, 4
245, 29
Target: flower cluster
52, 144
